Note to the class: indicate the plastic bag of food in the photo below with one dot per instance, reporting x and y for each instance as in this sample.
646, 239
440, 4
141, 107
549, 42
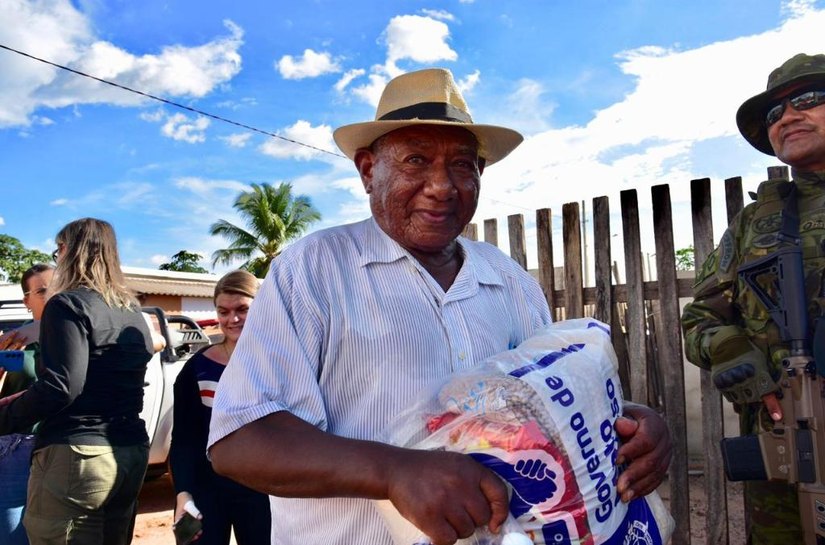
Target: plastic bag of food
541, 416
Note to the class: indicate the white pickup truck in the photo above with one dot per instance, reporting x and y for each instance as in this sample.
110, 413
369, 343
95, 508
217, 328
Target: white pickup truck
183, 338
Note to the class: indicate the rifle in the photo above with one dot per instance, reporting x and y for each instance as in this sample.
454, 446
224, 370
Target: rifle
794, 450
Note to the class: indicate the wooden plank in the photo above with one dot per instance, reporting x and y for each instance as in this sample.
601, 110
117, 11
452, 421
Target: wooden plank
635, 320
470, 231
778, 173
491, 231
573, 286
544, 240
602, 260
669, 344
733, 197
515, 227
716, 519
650, 290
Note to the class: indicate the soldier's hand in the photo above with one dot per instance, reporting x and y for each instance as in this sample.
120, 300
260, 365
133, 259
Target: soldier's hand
446, 495
773, 406
739, 369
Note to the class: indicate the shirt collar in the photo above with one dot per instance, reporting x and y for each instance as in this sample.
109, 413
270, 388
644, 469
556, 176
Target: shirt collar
380, 248
808, 177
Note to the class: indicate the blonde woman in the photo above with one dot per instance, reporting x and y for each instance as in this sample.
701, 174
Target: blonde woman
91, 447
224, 504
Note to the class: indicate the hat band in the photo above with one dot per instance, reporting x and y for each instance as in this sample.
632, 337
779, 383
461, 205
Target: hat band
440, 111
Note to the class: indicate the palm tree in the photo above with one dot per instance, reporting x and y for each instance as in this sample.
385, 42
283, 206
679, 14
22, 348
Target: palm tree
273, 217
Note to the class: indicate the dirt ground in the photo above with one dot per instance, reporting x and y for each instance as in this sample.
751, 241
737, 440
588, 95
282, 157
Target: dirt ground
154, 521
155, 510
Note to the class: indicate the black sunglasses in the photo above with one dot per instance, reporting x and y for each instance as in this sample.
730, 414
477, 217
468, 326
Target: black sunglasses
803, 101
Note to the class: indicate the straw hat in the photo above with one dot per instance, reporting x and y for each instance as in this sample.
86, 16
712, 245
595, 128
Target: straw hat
798, 70
425, 97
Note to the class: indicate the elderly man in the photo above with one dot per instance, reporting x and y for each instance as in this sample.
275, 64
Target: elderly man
354, 322
726, 327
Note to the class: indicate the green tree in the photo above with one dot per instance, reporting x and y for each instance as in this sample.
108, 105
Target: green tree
184, 261
273, 217
16, 258
684, 259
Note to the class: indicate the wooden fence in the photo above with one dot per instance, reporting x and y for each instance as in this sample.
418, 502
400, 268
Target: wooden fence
655, 373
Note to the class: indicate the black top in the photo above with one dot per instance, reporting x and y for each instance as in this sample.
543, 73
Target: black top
89, 389
194, 391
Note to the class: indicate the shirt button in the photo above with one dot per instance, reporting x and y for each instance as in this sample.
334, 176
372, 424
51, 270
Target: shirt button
461, 356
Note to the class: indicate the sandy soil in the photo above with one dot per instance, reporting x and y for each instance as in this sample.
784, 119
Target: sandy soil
154, 521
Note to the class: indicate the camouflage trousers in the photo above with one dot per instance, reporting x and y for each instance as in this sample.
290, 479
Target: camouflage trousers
772, 509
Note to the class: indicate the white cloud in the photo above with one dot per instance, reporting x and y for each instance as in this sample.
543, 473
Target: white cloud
2, 221
371, 92
526, 109
237, 140
466, 84
310, 65
59, 202
419, 39
797, 8
179, 127
153, 117
676, 124
416, 38
158, 259
347, 78
206, 189
57, 31
301, 131
439, 14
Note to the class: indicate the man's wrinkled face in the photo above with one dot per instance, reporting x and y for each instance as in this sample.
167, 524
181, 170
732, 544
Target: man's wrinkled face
423, 182
798, 137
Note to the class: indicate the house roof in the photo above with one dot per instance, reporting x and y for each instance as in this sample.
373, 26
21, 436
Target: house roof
156, 282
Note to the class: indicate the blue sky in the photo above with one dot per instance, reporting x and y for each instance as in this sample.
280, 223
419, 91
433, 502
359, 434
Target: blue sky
610, 96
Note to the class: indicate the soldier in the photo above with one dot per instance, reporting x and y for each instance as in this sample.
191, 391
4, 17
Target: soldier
726, 327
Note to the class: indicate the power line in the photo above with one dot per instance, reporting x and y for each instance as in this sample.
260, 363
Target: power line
197, 111
170, 102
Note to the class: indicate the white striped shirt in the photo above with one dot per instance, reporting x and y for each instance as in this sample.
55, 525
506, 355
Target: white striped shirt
347, 330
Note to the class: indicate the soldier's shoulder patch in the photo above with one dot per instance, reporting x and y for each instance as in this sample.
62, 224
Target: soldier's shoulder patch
767, 224
726, 252
764, 241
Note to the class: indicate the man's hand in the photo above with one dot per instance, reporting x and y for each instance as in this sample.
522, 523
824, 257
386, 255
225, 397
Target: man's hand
446, 495
646, 446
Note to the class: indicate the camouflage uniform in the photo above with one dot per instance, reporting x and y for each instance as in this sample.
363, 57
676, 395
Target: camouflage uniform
722, 298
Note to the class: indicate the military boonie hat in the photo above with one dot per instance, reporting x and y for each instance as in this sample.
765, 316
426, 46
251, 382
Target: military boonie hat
798, 70
425, 97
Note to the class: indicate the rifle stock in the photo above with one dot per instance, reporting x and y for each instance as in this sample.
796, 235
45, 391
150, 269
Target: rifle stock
794, 450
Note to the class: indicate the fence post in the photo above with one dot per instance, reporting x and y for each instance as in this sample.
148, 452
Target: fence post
601, 261
606, 307
547, 272
716, 519
635, 319
515, 227
573, 288
669, 344
491, 231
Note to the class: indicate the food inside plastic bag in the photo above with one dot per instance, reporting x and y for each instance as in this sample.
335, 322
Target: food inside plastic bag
541, 416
